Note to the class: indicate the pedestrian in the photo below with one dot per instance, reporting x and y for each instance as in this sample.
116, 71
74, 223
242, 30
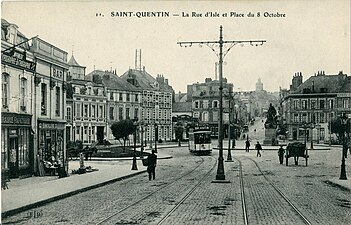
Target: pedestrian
281, 152
258, 147
152, 159
247, 145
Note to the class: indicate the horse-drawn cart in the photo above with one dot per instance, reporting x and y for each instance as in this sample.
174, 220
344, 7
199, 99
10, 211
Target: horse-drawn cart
296, 150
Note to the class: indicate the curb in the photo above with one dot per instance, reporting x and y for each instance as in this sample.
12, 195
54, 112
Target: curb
127, 158
330, 182
65, 195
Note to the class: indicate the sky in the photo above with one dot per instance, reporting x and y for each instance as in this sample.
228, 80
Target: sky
312, 36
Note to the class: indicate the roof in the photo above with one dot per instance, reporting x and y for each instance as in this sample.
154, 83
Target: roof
144, 80
73, 62
181, 107
322, 83
111, 80
20, 37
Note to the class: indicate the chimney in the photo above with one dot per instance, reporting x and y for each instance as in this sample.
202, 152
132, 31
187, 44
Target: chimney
312, 86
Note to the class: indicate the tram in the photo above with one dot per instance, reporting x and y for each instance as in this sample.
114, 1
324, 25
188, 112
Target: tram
200, 141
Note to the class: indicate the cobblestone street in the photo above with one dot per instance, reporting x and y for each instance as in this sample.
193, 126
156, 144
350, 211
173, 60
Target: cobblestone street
139, 201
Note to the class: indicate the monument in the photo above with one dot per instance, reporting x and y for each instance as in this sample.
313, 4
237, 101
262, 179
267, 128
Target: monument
270, 127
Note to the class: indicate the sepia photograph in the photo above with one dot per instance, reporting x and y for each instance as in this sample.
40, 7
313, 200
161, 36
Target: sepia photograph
201, 112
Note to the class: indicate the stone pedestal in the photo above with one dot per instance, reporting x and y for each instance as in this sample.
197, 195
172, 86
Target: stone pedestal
269, 135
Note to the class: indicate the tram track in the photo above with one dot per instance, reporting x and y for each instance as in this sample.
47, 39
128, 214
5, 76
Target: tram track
188, 194
281, 194
153, 193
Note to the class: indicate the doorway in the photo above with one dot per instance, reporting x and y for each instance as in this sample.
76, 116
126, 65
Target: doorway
13, 158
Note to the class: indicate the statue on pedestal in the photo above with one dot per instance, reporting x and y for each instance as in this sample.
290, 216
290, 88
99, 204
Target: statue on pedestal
271, 121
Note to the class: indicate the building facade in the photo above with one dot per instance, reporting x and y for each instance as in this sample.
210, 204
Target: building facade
156, 103
122, 98
86, 106
50, 101
316, 102
17, 120
205, 103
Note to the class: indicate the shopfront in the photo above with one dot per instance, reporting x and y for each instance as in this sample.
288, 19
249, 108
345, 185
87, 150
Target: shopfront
17, 157
51, 141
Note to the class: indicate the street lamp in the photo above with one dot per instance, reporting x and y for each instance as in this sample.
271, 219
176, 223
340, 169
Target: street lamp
142, 140
229, 157
343, 119
134, 165
156, 136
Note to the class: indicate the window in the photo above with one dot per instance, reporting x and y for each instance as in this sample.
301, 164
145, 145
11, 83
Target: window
136, 97
111, 96
136, 113
304, 104
331, 103
23, 87
215, 104
85, 129
43, 98
85, 110
345, 103
304, 117
101, 111
120, 113
69, 114
296, 104
205, 116
57, 111
23, 148
5, 90
296, 118
196, 105
78, 110
111, 113
313, 104
127, 113
321, 104
120, 97
93, 110
196, 114
78, 129
128, 97
321, 118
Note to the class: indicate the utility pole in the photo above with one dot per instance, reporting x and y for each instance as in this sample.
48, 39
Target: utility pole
220, 177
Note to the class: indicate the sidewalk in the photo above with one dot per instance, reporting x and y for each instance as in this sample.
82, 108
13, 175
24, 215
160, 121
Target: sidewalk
24, 194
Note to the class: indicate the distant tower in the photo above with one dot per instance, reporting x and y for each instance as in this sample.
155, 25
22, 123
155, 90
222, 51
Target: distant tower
259, 85
138, 59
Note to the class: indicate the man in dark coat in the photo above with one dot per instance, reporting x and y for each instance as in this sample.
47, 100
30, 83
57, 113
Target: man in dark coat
258, 147
152, 159
247, 145
281, 152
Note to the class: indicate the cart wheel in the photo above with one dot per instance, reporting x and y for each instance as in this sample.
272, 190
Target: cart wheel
306, 161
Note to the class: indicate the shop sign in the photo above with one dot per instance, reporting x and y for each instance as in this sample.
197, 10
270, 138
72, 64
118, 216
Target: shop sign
51, 126
17, 60
15, 119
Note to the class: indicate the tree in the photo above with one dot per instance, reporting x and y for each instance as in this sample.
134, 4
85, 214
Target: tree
178, 130
122, 129
338, 128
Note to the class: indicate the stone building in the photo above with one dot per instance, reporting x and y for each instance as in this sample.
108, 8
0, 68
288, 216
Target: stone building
50, 101
205, 103
156, 103
18, 103
122, 98
316, 102
86, 106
